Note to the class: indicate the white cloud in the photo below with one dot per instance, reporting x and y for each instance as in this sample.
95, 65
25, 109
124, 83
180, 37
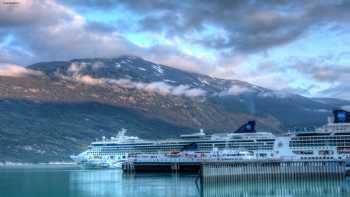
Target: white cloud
86, 79
236, 90
275, 94
75, 68
160, 87
12, 70
96, 65
194, 92
51, 31
156, 87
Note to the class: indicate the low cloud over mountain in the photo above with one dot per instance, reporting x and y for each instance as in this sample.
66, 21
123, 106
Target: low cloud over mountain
12, 70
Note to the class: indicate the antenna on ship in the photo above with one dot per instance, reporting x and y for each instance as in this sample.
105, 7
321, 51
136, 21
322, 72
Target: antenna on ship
122, 132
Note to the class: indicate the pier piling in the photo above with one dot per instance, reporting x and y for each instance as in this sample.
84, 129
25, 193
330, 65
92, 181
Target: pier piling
271, 170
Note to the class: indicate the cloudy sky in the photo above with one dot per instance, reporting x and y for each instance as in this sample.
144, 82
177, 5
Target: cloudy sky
300, 46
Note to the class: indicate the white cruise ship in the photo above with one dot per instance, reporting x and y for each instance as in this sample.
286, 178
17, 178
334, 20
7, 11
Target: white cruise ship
331, 141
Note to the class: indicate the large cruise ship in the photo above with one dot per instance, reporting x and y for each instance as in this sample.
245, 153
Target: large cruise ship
332, 138
327, 142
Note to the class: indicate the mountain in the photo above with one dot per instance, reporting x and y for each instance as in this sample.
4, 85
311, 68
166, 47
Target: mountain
333, 101
54, 109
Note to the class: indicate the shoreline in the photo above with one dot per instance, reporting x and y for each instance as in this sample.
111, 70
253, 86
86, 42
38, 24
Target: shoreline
8, 164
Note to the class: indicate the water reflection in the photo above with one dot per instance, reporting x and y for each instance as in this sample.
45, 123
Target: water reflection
310, 188
115, 183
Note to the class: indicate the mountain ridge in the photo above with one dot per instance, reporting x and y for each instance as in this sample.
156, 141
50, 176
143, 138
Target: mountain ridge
150, 100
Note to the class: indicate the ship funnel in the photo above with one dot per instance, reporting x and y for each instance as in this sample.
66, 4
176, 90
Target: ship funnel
248, 127
341, 116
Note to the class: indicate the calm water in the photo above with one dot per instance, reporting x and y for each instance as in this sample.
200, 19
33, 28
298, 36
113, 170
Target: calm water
66, 182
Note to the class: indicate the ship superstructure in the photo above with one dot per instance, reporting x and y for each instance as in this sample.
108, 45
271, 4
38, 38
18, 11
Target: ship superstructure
112, 151
333, 138
331, 141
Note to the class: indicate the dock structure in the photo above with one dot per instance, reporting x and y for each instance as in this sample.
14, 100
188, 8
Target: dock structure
285, 187
228, 171
154, 167
243, 169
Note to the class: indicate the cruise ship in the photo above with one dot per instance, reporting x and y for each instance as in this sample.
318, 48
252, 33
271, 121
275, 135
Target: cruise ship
333, 138
331, 141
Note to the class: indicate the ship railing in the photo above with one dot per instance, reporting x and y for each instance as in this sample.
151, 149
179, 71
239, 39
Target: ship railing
172, 160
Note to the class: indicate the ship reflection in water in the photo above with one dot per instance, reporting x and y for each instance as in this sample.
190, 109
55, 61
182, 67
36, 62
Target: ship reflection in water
113, 183
310, 188
91, 183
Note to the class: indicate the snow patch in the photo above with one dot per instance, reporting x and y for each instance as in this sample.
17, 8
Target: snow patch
169, 81
140, 68
158, 68
203, 81
117, 65
130, 57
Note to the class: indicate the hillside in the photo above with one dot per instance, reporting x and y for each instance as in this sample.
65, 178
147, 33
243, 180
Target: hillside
57, 108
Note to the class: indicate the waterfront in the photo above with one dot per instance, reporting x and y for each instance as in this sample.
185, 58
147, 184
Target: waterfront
72, 181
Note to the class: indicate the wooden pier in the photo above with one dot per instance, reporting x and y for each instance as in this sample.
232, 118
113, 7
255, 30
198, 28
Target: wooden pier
279, 187
244, 169
272, 169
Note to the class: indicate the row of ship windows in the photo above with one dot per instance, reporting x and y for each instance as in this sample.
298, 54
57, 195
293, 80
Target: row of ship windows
304, 158
317, 158
324, 142
186, 143
141, 151
322, 137
345, 140
201, 146
321, 140
318, 144
169, 149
